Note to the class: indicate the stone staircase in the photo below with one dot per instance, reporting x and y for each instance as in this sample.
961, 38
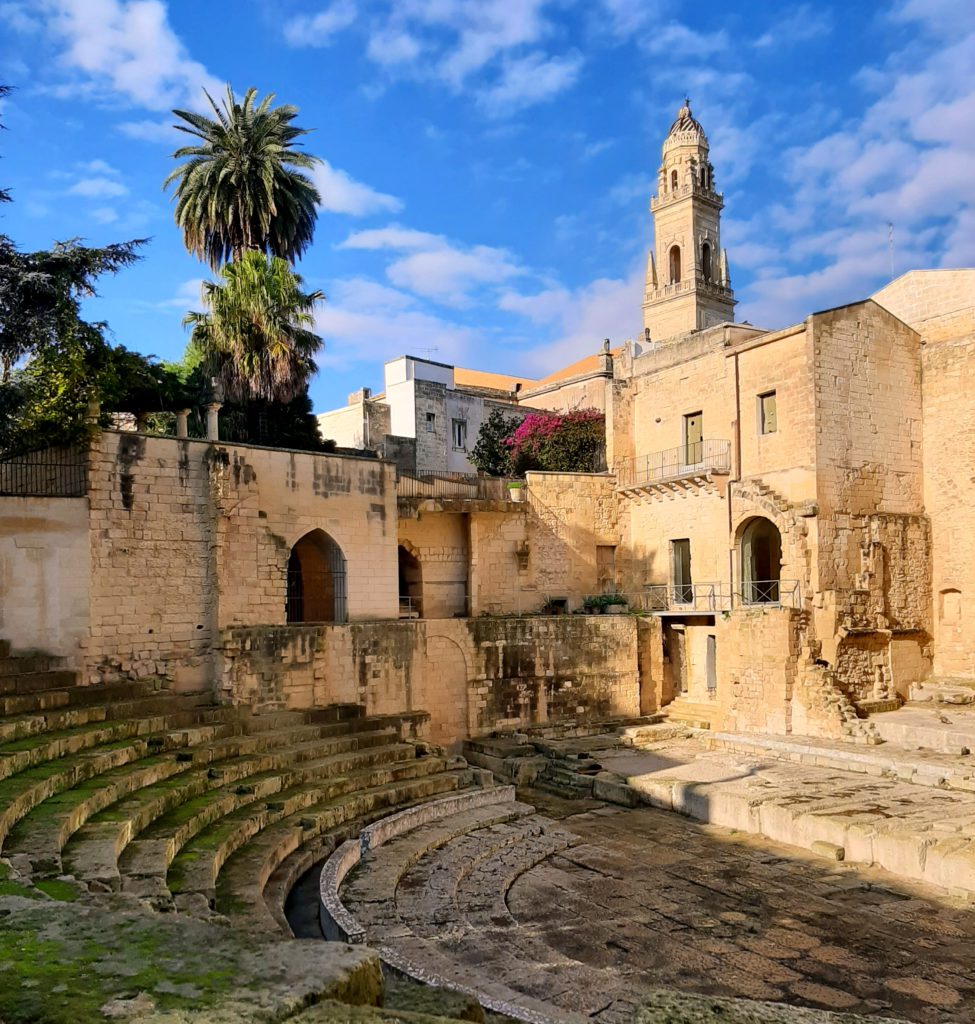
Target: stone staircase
179, 803
692, 714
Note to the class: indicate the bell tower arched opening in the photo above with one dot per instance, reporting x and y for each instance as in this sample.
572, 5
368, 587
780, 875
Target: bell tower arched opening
675, 264
706, 262
760, 550
316, 580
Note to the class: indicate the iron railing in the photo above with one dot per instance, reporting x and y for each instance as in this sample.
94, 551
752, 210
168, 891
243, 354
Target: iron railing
717, 596
775, 592
691, 459
47, 473
316, 596
452, 485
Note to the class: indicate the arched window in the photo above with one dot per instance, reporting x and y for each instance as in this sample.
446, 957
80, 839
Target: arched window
706, 262
410, 585
316, 580
675, 264
673, 181
761, 562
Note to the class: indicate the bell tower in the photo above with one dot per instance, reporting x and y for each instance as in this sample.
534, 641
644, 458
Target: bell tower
688, 284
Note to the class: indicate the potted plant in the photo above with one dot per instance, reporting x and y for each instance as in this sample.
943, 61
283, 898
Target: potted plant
605, 604
516, 490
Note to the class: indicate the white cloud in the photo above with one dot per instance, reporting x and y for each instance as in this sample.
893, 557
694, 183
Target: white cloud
431, 266
804, 23
393, 237
529, 80
152, 131
580, 319
104, 215
98, 188
341, 193
389, 46
130, 49
318, 29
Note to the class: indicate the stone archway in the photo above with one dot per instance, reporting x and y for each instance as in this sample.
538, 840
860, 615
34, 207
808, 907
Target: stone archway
410, 583
760, 552
316, 580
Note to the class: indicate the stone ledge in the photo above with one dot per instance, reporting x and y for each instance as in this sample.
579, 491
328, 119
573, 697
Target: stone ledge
337, 922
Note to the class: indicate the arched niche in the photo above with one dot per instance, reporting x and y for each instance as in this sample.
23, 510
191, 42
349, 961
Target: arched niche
760, 554
410, 584
706, 267
674, 264
316, 580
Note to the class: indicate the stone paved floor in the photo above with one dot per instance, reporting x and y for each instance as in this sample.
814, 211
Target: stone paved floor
653, 900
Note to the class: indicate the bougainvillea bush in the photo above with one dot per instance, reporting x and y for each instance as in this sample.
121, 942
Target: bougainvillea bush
572, 442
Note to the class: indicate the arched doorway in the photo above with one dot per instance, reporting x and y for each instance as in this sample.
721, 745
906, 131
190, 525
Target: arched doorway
410, 585
761, 562
316, 580
675, 264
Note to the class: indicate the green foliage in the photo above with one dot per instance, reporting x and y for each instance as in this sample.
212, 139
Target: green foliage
596, 602
255, 335
41, 293
241, 186
491, 454
572, 442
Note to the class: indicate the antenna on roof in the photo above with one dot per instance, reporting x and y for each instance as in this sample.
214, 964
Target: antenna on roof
428, 351
890, 246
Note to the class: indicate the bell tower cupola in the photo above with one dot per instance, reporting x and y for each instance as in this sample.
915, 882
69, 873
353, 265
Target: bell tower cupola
688, 285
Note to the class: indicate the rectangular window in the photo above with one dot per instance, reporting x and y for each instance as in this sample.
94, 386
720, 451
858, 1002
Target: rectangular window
680, 571
768, 422
693, 438
431, 422
459, 432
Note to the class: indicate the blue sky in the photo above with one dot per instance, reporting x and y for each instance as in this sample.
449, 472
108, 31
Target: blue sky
489, 162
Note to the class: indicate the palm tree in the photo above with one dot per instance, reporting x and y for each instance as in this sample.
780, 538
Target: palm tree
255, 336
241, 187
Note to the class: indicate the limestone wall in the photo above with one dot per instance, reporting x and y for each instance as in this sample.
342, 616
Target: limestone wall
472, 675
868, 412
440, 542
949, 498
188, 537
44, 574
571, 514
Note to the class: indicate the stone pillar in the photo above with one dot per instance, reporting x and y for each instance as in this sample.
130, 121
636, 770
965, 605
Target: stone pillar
213, 426
94, 410
141, 419
183, 423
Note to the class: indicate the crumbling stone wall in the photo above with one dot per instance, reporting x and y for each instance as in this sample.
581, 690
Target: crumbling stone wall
472, 675
189, 537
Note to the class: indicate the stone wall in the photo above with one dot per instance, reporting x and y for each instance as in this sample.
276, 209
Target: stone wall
440, 542
44, 574
472, 675
188, 537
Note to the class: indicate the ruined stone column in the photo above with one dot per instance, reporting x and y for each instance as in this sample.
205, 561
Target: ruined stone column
183, 423
213, 428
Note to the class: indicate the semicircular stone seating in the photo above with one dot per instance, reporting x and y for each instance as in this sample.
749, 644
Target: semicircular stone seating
427, 888
192, 805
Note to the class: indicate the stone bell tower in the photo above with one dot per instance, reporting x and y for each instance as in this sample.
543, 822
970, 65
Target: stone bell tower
688, 284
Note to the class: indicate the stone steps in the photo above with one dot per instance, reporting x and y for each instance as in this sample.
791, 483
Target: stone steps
28, 664
163, 732
322, 805
94, 851
694, 715
12, 684
245, 889
68, 695
938, 771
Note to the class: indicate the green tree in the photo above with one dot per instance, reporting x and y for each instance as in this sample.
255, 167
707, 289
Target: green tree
41, 293
491, 454
242, 185
255, 335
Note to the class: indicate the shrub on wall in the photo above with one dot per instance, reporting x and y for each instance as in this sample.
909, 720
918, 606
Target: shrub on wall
572, 442
491, 453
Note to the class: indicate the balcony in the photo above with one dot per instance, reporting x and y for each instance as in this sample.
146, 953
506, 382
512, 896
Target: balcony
708, 598
675, 471
452, 492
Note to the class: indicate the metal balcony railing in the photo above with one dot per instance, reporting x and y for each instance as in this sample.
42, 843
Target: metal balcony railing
690, 459
452, 485
716, 597
48, 473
